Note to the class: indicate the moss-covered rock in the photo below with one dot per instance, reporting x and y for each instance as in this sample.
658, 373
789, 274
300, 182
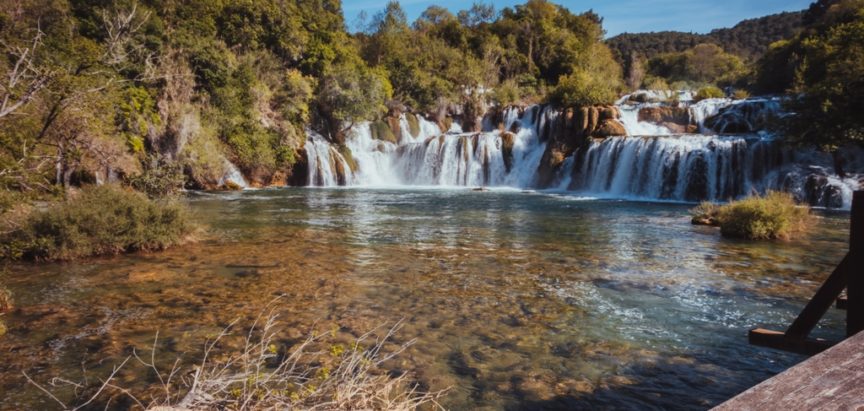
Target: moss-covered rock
381, 131
349, 157
508, 139
413, 124
395, 127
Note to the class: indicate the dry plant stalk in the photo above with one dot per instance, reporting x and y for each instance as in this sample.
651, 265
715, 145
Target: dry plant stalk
258, 377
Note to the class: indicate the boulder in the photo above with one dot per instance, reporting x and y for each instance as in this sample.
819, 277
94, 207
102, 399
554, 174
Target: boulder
395, 127
413, 124
383, 131
610, 128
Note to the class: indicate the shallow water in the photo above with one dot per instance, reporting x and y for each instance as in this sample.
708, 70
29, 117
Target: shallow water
517, 300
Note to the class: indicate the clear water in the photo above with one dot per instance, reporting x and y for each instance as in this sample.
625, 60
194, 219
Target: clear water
518, 300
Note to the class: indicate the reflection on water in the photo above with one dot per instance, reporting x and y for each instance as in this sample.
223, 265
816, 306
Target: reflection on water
518, 300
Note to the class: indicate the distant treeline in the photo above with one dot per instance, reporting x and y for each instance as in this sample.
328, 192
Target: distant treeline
748, 39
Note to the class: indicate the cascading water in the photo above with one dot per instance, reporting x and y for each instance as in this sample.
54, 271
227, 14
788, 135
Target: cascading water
327, 167
233, 176
689, 168
432, 158
650, 163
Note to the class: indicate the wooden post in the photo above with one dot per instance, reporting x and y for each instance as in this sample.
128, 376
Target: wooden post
849, 274
855, 271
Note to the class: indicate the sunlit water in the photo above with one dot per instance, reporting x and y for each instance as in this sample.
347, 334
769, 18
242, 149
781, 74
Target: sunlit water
517, 300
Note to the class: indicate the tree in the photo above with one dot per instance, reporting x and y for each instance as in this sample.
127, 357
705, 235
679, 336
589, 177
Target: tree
635, 72
351, 94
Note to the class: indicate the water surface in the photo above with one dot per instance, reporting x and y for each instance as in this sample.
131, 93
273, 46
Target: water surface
517, 300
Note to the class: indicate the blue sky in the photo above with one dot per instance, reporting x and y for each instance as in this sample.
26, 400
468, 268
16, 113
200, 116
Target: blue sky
620, 16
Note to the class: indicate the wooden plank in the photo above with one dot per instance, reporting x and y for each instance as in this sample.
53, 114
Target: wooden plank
821, 302
855, 274
832, 380
778, 340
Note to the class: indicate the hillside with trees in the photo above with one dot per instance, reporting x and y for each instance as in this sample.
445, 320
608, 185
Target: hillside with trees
163, 94
748, 39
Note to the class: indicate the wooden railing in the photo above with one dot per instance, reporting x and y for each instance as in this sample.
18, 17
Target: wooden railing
848, 275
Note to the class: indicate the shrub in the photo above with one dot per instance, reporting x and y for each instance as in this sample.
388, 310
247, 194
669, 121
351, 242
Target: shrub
706, 213
656, 83
775, 215
740, 94
583, 88
709, 92
159, 177
97, 221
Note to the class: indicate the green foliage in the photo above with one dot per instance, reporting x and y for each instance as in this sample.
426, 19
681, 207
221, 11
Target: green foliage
159, 177
97, 221
584, 89
351, 94
203, 159
773, 216
825, 63
748, 39
704, 63
709, 92
507, 93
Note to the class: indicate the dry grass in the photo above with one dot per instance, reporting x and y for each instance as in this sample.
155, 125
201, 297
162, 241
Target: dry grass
260, 377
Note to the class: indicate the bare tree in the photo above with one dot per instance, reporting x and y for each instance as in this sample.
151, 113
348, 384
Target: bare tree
120, 25
23, 78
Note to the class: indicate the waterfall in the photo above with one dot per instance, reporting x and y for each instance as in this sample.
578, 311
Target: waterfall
327, 167
433, 158
689, 168
232, 176
634, 127
650, 163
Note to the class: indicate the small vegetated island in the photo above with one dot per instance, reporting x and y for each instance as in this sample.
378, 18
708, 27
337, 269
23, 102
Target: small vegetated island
511, 224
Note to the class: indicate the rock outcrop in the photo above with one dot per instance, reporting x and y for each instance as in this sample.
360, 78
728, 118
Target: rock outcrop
565, 131
676, 119
745, 117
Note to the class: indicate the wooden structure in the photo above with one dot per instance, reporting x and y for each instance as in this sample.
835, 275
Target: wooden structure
832, 380
848, 275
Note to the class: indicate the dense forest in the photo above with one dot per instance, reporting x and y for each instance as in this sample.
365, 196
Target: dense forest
162, 94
